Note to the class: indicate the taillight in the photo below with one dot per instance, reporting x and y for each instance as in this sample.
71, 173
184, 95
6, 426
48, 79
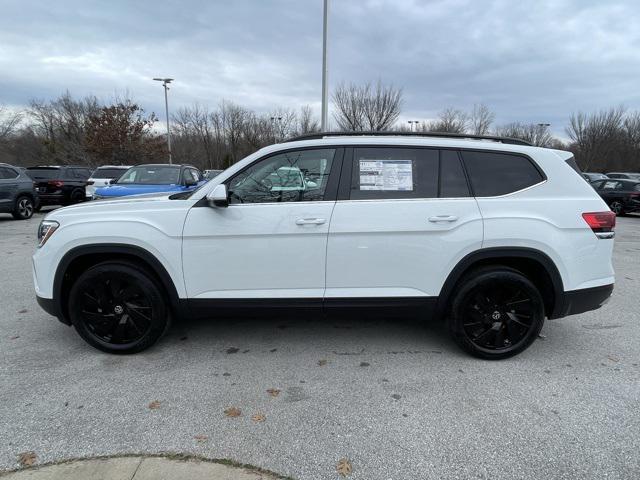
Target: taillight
56, 183
602, 223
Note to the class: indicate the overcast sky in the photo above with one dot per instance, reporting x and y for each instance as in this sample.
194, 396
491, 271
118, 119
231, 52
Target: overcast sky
534, 61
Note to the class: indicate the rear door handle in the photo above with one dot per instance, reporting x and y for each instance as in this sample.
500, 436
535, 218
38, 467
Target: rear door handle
310, 221
443, 218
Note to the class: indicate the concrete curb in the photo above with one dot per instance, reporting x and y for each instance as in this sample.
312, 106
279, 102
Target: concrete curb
142, 467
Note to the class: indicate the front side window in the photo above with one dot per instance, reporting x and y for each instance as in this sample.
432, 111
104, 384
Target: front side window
394, 173
286, 177
494, 174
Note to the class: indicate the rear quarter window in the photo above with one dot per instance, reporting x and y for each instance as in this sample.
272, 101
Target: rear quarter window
494, 174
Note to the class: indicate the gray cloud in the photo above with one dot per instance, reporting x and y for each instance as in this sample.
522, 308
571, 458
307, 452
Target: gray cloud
530, 61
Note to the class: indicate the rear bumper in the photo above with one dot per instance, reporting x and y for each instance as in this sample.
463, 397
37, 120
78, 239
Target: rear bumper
583, 300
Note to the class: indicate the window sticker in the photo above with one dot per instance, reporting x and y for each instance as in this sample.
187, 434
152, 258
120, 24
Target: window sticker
389, 175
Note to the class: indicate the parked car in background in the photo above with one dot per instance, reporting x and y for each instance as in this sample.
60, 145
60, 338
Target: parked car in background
209, 174
17, 192
622, 196
156, 178
59, 185
592, 177
627, 175
103, 176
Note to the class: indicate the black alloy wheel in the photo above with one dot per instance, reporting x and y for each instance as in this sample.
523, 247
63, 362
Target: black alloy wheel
617, 207
24, 208
118, 307
496, 313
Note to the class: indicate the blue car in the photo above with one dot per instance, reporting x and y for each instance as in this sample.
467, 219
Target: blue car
160, 178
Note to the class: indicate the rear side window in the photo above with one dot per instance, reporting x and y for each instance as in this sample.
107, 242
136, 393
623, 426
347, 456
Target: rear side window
8, 173
44, 173
108, 172
453, 183
495, 174
385, 173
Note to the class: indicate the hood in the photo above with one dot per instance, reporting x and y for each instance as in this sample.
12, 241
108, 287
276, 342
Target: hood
137, 189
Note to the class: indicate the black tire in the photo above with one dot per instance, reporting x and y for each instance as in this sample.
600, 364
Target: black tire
617, 208
118, 307
76, 196
495, 313
24, 208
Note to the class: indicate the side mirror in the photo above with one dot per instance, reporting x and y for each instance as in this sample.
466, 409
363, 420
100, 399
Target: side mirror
218, 196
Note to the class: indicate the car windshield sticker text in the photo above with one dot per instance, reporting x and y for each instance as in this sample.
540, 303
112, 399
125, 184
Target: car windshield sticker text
390, 175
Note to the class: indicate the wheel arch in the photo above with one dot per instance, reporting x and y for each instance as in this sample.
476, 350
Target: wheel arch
78, 259
534, 264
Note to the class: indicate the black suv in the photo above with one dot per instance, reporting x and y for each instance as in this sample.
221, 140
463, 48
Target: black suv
622, 196
60, 185
17, 193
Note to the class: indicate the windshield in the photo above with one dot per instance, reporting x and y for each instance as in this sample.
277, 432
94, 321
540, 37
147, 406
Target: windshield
103, 172
151, 175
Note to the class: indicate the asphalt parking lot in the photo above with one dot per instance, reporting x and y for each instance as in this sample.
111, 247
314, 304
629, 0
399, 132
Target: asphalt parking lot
396, 399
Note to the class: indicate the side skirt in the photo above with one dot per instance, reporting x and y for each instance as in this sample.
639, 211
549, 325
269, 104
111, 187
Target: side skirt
420, 307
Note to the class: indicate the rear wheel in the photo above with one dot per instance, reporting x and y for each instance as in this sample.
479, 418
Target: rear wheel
617, 207
76, 196
24, 208
118, 307
496, 313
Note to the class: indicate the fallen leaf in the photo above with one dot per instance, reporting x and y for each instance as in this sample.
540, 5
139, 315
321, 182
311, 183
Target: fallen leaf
24, 310
232, 350
258, 417
322, 363
201, 438
344, 467
155, 405
15, 337
395, 396
232, 412
274, 392
613, 359
364, 364
26, 459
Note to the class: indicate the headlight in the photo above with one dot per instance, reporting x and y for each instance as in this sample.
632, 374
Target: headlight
45, 230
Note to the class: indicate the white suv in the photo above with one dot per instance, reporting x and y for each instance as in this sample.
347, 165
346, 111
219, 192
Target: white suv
491, 235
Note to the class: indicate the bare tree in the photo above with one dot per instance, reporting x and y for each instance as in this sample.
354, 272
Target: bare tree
366, 108
480, 119
537, 134
597, 138
450, 120
9, 121
307, 122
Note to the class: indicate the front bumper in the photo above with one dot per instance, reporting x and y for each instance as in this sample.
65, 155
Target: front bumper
50, 306
583, 300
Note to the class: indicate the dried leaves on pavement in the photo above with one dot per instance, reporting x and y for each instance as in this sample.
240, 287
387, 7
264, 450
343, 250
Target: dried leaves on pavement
155, 405
232, 412
274, 392
26, 459
344, 467
258, 417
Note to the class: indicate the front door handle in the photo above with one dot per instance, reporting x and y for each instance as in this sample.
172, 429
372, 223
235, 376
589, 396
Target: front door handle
310, 221
443, 218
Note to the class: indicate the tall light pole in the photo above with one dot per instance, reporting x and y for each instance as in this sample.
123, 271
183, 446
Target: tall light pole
325, 70
412, 123
165, 83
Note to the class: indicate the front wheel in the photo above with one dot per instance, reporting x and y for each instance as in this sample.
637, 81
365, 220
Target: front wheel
118, 307
496, 313
23, 209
